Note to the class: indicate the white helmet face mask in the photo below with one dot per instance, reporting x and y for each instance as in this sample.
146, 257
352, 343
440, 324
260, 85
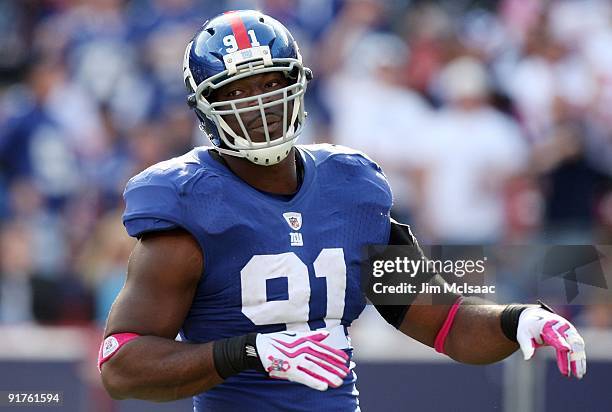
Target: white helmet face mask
239, 143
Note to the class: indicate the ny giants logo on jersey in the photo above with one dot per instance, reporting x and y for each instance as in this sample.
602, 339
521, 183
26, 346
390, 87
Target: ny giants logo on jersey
294, 220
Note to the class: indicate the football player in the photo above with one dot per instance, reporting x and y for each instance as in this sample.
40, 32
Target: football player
250, 251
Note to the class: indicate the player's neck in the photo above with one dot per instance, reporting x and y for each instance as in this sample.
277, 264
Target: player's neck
281, 178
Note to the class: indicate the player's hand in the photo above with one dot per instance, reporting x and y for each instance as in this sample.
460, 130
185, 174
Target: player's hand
301, 357
538, 327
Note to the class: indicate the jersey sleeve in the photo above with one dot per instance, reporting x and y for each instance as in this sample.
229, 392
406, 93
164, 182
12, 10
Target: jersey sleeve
151, 204
137, 227
368, 168
374, 185
379, 180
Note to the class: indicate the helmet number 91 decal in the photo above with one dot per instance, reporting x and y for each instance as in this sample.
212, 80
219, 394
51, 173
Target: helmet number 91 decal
232, 44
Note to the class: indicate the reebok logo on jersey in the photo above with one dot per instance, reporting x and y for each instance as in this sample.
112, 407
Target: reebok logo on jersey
294, 220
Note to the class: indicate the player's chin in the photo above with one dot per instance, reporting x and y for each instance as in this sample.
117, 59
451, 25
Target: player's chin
275, 131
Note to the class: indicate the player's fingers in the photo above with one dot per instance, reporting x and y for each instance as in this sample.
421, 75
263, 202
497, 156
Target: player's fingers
562, 348
340, 370
578, 354
340, 355
321, 374
310, 349
526, 344
552, 337
563, 361
575, 341
563, 329
578, 368
325, 356
302, 378
313, 340
563, 352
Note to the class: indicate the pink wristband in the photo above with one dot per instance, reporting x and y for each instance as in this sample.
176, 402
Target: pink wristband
111, 345
446, 326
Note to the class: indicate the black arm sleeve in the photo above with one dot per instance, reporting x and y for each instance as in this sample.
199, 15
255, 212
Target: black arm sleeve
400, 235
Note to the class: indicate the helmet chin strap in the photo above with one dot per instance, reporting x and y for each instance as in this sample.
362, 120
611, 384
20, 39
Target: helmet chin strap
273, 155
265, 155
268, 156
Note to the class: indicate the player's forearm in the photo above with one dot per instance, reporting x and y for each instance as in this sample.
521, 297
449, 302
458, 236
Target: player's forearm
159, 369
476, 336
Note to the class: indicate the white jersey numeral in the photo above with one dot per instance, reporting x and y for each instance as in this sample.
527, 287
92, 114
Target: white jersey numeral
294, 311
330, 265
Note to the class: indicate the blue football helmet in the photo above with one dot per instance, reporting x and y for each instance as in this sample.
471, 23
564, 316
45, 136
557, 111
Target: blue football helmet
234, 45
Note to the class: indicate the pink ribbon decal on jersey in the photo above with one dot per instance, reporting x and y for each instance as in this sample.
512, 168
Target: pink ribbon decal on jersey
112, 344
446, 326
239, 29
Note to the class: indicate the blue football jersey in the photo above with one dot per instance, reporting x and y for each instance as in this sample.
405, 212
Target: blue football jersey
271, 263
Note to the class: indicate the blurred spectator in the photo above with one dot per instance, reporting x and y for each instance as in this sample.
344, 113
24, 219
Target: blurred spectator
388, 124
428, 31
15, 19
571, 185
548, 73
16, 270
25, 295
44, 227
103, 261
356, 19
472, 153
48, 124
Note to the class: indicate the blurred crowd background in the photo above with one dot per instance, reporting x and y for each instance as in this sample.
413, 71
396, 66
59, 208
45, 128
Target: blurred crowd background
492, 120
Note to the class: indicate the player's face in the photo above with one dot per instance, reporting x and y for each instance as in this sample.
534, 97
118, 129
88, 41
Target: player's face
252, 120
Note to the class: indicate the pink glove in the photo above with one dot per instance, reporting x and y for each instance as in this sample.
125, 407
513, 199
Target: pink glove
301, 357
538, 327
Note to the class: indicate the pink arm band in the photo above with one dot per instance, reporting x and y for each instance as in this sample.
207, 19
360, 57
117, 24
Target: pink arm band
446, 326
111, 345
